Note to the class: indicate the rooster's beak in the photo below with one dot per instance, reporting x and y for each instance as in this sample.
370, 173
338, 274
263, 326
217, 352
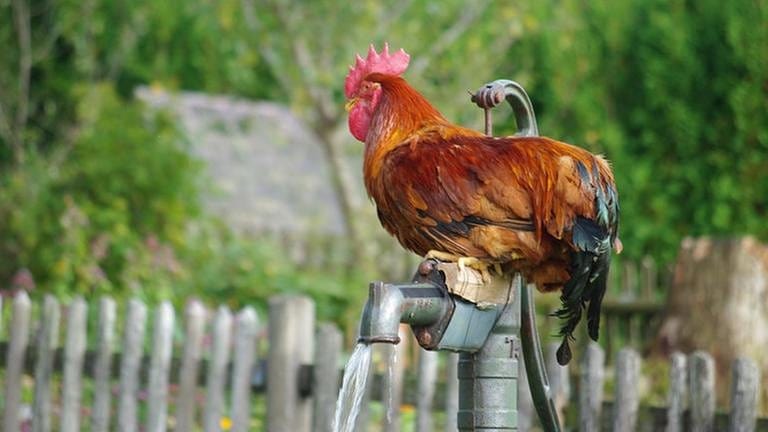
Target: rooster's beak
348, 106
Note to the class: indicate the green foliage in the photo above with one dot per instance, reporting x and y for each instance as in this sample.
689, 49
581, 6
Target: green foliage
227, 269
117, 213
674, 94
98, 195
132, 167
81, 218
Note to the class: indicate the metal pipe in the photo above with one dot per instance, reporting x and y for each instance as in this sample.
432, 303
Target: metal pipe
541, 392
488, 378
487, 337
493, 93
389, 305
488, 97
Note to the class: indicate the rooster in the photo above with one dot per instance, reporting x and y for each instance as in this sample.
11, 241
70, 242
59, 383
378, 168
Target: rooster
533, 205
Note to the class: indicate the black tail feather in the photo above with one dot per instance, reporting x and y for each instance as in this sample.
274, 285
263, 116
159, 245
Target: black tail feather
564, 355
589, 270
597, 292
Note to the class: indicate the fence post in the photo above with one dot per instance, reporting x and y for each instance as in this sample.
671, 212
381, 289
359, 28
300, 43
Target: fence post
47, 339
676, 397
629, 280
701, 372
632, 292
291, 344
451, 392
626, 400
14, 364
326, 376
74, 352
217, 370
130, 363
245, 355
427, 374
102, 370
744, 391
190, 365
650, 277
591, 388
162, 347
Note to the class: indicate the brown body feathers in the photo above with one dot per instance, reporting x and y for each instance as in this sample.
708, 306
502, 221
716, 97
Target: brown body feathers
532, 204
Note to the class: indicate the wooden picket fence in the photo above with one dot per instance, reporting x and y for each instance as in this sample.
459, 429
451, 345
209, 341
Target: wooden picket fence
633, 305
232, 372
690, 400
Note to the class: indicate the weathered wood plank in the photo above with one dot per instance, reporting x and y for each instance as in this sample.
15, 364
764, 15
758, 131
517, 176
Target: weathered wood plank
626, 309
291, 342
629, 280
190, 365
326, 376
102, 369
677, 392
627, 398
701, 378
427, 376
745, 388
591, 388
217, 370
74, 351
650, 277
245, 357
47, 340
14, 363
130, 363
451, 392
162, 348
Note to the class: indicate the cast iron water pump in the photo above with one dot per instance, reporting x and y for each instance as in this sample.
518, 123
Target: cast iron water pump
489, 323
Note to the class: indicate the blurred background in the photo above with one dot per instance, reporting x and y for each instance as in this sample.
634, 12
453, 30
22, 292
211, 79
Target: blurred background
198, 148
180, 149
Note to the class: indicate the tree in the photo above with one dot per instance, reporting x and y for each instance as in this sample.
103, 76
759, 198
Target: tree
717, 302
674, 93
308, 50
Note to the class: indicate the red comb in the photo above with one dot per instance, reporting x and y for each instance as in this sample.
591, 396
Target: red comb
393, 64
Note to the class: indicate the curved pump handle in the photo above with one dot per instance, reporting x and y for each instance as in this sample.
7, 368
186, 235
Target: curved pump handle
494, 93
488, 97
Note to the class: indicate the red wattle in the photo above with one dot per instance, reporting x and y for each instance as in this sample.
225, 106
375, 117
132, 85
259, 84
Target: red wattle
359, 121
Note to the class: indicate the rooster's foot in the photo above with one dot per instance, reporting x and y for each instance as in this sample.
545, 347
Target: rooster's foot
483, 267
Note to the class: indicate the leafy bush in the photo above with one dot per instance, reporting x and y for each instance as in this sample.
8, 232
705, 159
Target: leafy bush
674, 94
81, 218
117, 212
239, 271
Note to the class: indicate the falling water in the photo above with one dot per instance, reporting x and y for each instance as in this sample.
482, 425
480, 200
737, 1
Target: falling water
391, 384
352, 389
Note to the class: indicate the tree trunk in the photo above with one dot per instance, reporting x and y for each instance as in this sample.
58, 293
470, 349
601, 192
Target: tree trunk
718, 302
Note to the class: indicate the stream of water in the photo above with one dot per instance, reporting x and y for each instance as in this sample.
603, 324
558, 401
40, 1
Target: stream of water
352, 389
390, 382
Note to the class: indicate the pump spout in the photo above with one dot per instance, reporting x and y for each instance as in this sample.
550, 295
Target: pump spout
420, 305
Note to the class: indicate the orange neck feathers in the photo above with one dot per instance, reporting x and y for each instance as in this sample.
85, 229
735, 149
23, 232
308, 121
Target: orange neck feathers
400, 112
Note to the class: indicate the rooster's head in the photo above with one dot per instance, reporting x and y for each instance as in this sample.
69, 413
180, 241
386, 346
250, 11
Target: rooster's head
364, 95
